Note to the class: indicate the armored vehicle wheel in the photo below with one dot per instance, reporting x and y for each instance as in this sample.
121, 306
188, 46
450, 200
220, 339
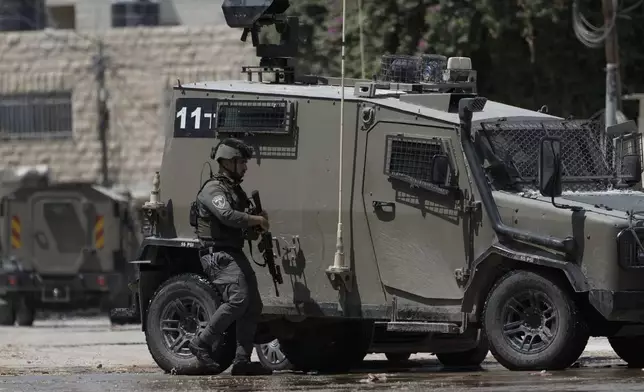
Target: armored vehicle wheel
25, 312
328, 348
630, 349
271, 356
7, 312
532, 323
469, 358
397, 358
179, 309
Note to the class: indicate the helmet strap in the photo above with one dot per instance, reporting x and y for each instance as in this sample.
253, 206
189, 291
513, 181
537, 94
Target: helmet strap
232, 173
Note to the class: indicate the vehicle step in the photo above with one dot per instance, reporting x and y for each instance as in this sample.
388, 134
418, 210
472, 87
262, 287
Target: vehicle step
419, 326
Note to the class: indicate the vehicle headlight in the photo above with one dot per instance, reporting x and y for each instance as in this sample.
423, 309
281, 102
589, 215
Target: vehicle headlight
630, 254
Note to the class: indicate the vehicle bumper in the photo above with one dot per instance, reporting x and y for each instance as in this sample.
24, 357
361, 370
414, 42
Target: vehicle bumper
626, 306
60, 289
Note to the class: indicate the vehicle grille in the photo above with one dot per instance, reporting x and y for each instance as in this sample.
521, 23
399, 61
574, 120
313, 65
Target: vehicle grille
630, 254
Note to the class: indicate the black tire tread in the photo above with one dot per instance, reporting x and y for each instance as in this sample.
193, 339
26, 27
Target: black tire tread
578, 332
194, 367
25, 313
469, 358
7, 313
630, 349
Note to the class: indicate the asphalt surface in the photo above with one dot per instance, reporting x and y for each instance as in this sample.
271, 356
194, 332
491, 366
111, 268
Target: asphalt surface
86, 354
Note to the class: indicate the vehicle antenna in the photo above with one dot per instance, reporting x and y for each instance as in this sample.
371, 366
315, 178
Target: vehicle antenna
338, 261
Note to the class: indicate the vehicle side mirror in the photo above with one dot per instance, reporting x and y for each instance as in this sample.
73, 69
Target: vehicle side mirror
632, 165
440, 169
550, 167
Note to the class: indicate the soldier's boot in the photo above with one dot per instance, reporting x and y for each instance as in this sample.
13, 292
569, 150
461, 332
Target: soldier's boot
202, 351
247, 368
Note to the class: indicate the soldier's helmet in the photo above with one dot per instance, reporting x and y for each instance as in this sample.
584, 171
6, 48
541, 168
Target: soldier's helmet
231, 148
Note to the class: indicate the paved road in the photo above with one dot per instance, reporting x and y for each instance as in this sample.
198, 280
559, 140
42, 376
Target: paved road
87, 354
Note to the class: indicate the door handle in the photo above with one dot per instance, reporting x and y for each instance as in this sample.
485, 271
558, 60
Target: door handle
378, 204
41, 239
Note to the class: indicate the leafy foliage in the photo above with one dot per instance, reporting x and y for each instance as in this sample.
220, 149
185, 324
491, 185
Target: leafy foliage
525, 51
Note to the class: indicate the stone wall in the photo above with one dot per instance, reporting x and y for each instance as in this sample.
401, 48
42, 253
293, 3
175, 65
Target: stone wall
142, 63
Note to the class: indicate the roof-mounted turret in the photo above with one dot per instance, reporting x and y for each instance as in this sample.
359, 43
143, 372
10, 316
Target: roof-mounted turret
252, 16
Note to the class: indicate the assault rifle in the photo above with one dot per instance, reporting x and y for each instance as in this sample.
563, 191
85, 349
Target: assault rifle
265, 246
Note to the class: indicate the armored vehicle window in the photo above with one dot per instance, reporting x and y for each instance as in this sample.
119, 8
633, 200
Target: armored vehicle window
590, 159
412, 159
65, 226
254, 116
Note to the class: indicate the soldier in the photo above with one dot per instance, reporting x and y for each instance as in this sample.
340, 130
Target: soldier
221, 226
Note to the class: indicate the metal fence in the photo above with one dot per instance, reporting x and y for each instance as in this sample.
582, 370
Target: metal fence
591, 159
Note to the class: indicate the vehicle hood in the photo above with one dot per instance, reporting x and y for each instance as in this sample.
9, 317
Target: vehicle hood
622, 200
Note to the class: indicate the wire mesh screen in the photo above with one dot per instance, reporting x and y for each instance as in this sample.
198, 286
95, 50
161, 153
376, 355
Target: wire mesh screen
411, 159
433, 67
271, 147
428, 68
263, 117
400, 69
591, 159
36, 115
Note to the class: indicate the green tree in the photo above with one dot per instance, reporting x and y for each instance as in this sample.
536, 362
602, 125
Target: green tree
525, 51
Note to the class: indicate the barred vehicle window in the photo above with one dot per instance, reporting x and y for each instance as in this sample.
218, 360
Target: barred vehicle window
254, 116
411, 158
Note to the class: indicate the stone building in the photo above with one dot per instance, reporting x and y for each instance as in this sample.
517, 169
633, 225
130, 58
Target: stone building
48, 94
93, 15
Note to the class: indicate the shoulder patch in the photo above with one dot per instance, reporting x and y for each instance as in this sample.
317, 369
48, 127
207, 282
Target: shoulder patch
219, 201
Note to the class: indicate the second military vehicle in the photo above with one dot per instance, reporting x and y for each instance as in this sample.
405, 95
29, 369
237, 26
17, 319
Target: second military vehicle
64, 246
461, 222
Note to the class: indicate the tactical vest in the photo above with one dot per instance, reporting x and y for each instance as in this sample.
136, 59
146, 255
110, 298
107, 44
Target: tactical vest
208, 228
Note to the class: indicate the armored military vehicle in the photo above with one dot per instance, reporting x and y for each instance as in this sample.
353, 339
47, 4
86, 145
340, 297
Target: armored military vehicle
462, 222
64, 246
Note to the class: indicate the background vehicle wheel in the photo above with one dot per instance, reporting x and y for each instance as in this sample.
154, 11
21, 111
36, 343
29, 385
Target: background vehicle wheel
179, 309
25, 312
470, 358
271, 356
397, 358
532, 323
630, 349
129, 315
328, 348
7, 312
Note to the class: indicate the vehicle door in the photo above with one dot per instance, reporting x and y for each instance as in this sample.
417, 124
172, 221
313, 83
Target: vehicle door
416, 223
60, 232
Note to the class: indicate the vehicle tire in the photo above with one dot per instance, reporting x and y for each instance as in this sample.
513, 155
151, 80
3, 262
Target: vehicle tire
198, 300
120, 308
7, 312
121, 316
25, 312
397, 358
470, 358
536, 311
126, 315
630, 349
271, 356
328, 348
